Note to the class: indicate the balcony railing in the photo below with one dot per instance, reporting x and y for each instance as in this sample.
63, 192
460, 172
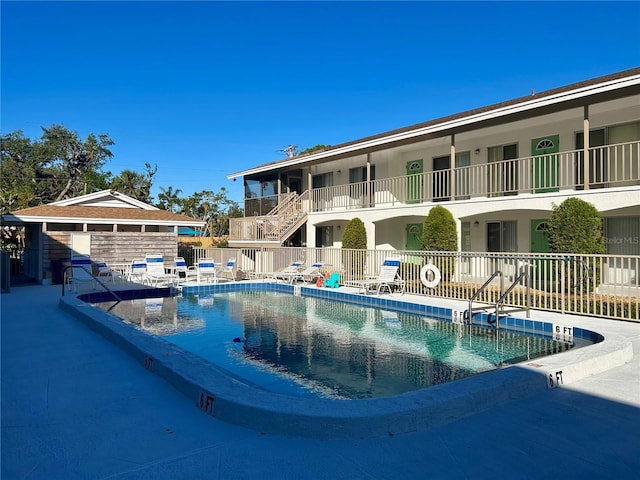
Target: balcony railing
609, 166
606, 286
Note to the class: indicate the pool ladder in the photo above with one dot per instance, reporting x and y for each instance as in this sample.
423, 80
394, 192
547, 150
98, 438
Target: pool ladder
500, 309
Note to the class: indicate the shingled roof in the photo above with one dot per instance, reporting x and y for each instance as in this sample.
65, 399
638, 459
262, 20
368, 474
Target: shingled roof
56, 213
90, 209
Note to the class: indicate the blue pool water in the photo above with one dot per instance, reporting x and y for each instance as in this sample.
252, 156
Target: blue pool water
315, 347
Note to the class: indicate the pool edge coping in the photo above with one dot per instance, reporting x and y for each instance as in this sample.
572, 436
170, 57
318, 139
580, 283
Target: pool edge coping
229, 399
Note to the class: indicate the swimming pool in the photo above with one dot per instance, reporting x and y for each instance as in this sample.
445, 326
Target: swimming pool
307, 346
226, 397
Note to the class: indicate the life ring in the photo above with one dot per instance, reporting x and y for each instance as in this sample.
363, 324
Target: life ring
430, 268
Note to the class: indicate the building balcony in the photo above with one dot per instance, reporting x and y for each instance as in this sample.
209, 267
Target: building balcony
610, 166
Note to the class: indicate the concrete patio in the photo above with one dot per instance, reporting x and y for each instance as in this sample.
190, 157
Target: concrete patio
76, 406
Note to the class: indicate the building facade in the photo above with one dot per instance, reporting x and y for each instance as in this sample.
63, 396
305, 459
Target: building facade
105, 224
499, 169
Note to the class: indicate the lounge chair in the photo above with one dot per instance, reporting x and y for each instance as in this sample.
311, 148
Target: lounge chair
137, 271
387, 278
206, 270
156, 273
333, 281
309, 274
287, 272
105, 271
229, 269
81, 272
184, 272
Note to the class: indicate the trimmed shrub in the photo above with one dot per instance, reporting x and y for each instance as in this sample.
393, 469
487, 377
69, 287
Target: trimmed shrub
439, 231
355, 235
575, 226
354, 244
440, 234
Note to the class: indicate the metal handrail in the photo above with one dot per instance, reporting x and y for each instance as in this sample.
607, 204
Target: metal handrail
502, 298
481, 289
69, 267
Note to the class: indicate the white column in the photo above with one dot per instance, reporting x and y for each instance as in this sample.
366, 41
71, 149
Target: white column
311, 235
452, 165
368, 191
585, 129
370, 228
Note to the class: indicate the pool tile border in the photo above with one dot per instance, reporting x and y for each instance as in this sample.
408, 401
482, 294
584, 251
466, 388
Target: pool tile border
220, 395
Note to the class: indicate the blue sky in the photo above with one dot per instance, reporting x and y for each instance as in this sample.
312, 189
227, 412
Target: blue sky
205, 89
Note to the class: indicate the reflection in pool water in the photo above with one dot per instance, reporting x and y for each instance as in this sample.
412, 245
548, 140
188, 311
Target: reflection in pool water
315, 347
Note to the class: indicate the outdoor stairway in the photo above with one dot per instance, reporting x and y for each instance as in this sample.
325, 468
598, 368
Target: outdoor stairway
285, 218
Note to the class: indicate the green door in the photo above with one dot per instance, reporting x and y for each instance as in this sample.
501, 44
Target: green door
545, 164
539, 236
414, 242
414, 181
414, 236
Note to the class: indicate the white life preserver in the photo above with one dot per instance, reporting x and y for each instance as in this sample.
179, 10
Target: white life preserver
430, 268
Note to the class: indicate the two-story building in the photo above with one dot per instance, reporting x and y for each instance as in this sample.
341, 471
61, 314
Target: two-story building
499, 169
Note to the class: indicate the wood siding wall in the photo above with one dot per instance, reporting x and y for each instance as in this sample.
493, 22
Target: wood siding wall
111, 246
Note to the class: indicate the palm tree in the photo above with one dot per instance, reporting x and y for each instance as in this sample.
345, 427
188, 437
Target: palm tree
169, 198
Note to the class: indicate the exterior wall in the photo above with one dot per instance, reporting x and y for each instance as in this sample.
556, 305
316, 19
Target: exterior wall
386, 227
392, 207
113, 247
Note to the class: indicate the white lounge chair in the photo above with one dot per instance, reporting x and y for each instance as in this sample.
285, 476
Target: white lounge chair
309, 274
206, 270
138, 271
387, 278
106, 272
184, 272
229, 269
287, 272
156, 272
81, 272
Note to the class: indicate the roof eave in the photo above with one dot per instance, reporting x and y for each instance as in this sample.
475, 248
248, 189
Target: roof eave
16, 219
527, 105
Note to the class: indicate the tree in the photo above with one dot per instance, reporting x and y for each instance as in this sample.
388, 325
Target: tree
57, 166
169, 198
314, 149
134, 184
71, 160
214, 208
19, 172
575, 226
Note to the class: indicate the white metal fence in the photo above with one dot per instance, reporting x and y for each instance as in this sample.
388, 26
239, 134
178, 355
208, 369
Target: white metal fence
600, 285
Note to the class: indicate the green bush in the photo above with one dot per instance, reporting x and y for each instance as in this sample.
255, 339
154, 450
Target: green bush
440, 234
575, 226
354, 244
439, 231
355, 235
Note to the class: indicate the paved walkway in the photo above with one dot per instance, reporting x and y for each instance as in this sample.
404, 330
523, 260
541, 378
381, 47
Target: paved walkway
75, 406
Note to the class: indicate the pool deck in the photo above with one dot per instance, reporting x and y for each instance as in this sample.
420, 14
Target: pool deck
74, 405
